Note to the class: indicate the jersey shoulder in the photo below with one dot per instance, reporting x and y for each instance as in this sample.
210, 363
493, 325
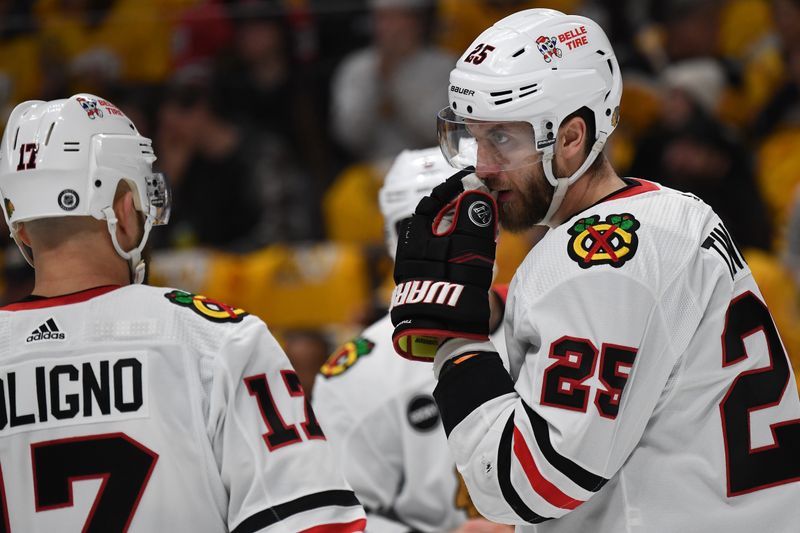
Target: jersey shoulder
129, 317
206, 329
207, 308
366, 371
167, 303
643, 234
196, 317
196, 321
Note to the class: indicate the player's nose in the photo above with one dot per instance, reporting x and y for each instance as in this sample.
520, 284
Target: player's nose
487, 166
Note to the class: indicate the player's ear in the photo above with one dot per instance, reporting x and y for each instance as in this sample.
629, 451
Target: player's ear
129, 224
22, 234
571, 137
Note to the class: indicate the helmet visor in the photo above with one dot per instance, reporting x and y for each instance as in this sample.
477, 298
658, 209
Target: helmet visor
487, 146
159, 196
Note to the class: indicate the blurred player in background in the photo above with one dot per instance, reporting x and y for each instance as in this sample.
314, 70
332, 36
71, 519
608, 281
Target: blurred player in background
377, 409
132, 408
654, 393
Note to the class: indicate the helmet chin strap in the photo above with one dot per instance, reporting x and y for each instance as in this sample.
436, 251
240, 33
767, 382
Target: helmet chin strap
562, 184
136, 264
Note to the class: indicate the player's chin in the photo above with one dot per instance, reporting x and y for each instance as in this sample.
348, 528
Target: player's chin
517, 216
511, 218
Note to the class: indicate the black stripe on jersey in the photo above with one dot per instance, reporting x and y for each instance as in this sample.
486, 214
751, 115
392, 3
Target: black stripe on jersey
273, 515
579, 475
464, 387
504, 477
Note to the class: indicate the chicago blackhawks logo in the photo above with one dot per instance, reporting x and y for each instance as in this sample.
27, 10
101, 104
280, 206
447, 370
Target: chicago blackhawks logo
611, 242
206, 307
346, 356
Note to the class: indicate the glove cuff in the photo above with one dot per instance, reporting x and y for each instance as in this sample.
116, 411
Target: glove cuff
418, 340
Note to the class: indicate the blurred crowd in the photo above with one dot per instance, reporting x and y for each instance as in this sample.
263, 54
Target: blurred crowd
276, 121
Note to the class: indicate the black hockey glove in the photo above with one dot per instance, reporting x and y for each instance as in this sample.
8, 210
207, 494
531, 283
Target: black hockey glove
443, 268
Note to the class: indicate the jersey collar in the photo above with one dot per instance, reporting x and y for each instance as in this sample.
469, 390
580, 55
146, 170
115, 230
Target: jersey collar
633, 187
39, 302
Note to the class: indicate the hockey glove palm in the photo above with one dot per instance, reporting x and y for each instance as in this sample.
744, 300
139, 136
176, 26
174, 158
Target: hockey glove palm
443, 268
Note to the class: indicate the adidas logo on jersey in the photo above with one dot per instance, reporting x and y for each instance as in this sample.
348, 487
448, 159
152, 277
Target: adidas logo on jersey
46, 332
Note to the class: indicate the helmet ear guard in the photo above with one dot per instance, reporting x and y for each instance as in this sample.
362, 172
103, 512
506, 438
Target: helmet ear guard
541, 66
81, 148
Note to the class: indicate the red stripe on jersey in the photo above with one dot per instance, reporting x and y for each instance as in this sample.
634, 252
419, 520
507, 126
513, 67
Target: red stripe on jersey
66, 299
642, 187
544, 488
350, 527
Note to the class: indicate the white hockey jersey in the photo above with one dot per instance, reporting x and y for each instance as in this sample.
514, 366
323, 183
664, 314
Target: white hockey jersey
654, 396
379, 414
146, 410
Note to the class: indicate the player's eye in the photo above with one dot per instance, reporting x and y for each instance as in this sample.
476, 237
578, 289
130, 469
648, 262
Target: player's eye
499, 138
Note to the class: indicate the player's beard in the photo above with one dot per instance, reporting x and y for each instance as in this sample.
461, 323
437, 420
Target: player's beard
530, 202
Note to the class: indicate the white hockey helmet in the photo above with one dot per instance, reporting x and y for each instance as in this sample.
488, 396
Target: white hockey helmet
412, 175
66, 158
536, 66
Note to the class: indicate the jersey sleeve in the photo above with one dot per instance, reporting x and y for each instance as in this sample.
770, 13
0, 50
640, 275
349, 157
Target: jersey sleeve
597, 354
274, 459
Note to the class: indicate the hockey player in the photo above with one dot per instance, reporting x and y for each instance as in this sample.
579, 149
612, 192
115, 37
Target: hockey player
132, 408
655, 394
377, 408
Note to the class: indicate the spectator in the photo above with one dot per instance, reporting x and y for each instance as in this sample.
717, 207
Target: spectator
200, 32
691, 27
386, 95
247, 174
784, 107
107, 40
691, 151
778, 132
462, 21
264, 84
176, 127
20, 75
